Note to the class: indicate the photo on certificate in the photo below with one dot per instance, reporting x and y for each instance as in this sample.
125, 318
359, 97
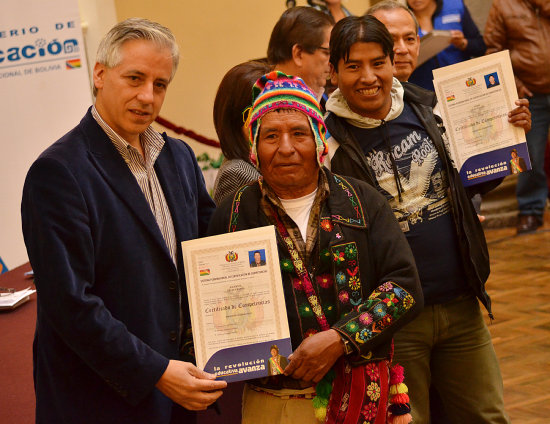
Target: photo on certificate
517, 163
257, 258
236, 300
276, 362
491, 80
474, 99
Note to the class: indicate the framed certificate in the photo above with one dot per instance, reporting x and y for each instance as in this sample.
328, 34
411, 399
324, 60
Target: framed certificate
237, 304
474, 98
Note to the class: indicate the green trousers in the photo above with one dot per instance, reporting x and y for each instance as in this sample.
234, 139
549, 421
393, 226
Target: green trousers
448, 345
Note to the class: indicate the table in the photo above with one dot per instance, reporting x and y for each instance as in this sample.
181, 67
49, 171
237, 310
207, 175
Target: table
16, 334
17, 402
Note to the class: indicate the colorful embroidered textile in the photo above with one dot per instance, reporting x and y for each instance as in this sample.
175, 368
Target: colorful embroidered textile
359, 394
303, 274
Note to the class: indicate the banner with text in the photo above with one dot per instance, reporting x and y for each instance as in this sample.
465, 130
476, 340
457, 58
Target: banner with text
45, 92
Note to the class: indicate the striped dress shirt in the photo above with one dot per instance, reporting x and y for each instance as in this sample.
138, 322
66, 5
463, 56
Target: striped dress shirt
142, 168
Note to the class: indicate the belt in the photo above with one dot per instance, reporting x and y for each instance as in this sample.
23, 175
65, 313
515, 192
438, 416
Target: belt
284, 394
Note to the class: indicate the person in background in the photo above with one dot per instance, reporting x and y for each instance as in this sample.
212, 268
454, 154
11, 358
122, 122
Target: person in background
332, 7
523, 27
233, 97
104, 210
299, 46
348, 275
466, 41
337, 11
384, 133
403, 27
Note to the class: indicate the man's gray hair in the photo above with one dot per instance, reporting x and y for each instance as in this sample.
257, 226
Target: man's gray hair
392, 5
108, 52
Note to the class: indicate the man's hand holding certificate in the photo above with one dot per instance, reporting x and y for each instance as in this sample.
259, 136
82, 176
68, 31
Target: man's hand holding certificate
237, 304
475, 99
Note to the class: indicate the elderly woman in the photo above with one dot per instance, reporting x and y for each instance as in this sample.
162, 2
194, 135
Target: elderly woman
349, 276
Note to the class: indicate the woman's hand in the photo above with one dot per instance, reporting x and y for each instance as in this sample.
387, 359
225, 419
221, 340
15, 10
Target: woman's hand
458, 40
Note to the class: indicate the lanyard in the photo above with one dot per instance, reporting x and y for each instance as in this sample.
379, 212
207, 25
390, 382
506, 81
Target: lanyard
302, 272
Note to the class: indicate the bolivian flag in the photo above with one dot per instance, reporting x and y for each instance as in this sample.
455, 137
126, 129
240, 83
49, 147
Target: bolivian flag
204, 272
73, 63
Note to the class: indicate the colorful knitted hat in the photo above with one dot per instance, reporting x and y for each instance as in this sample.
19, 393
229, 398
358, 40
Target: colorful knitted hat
277, 90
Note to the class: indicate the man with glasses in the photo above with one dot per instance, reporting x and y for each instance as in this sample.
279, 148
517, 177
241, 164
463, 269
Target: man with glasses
299, 46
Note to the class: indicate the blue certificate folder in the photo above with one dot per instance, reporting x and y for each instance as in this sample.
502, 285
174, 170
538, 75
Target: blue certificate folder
495, 164
246, 362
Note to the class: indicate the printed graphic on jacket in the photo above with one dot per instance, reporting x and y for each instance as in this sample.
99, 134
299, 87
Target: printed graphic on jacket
420, 204
422, 181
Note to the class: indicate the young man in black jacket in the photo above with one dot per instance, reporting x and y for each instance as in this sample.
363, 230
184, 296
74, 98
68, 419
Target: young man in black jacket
385, 133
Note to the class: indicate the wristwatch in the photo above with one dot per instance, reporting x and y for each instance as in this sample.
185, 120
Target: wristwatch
348, 347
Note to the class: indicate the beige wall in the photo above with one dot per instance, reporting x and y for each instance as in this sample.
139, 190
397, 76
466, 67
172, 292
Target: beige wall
213, 36
479, 9
97, 17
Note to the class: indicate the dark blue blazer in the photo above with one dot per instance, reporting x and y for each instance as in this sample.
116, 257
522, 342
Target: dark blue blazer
109, 295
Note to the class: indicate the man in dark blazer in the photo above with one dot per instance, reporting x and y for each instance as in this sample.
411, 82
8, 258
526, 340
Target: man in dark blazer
104, 210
